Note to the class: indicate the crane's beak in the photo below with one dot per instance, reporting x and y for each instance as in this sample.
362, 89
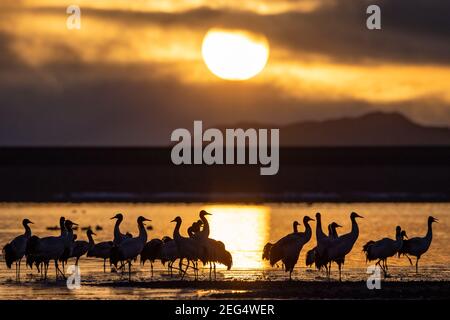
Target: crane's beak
208, 214
75, 224
436, 220
30, 222
145, 219
338, 226
93, 233
359, 216
115, 217
173, 220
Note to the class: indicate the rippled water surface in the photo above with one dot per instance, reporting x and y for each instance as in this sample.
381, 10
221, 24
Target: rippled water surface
243, 228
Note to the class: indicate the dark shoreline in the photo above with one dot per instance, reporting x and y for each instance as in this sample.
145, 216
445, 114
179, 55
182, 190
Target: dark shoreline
415, 290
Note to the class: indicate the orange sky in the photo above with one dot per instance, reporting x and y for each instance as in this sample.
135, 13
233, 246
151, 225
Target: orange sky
315, 62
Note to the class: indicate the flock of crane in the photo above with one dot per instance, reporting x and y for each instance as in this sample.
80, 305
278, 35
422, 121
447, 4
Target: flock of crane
333, 248
125, 249
122, 250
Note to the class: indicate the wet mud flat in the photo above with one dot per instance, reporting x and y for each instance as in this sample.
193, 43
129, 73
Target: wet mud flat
408, 290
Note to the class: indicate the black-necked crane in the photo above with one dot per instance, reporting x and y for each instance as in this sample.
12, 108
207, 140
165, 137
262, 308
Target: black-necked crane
417, 246
384, 248
269, 245
202, 237
332, 230
204, 233
81, 247
34, 254
311, 254
100, 250
288, 248
151, 252
69, 244
15, 250
337, 249
129, 249
119, 236
217, 253
317, 255
51, 248
189, 248
213, 251
169, 253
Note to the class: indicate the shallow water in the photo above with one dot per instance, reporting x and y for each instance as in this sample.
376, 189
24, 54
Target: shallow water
243, 228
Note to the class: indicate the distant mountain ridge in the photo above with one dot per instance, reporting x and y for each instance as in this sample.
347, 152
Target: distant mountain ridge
372, 129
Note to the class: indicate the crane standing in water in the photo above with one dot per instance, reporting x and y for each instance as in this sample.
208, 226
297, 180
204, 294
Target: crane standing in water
15, 250
418, 246
288, 248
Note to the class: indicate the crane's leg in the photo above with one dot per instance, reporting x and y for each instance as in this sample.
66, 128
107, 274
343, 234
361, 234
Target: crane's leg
129, 271
196, 270
185, 270
290, 275
19, 269
76, 261
59, 270
210, 271
417, 265
215, 275
104, 265
386, 267
339, 266
151, 267
410, 261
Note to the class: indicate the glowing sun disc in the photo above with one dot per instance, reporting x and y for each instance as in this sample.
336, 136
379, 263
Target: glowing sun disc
234, 54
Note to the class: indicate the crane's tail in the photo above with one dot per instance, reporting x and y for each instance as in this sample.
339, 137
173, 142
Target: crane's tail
227, 259
366, 249
276, 254
311, 257
9, 255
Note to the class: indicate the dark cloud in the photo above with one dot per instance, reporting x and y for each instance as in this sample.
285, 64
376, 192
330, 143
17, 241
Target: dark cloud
414, 31
119, 106
8, 59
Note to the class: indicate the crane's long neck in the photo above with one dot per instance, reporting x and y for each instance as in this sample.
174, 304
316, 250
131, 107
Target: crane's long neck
355, 229
69, 234
176, 231
27, 232
333, 233
190, 232
205, 231
319, 233
63, 229
91, 240
308, 231
295, 227
117, 234
429, 234
142, 232
399, 238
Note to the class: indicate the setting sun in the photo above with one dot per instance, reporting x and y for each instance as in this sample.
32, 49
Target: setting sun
234, 55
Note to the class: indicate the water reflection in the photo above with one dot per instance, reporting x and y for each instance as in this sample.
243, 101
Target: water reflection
244, 230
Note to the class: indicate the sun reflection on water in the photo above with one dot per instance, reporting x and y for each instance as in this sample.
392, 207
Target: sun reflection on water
244, 230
